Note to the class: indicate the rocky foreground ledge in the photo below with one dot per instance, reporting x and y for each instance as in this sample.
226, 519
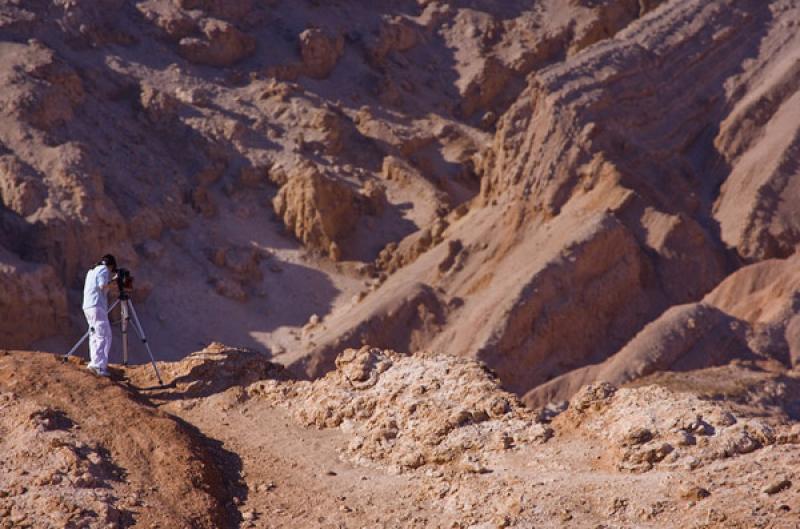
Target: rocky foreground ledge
389, 440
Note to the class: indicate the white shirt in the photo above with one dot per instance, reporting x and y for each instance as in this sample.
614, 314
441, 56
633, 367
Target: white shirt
93, 293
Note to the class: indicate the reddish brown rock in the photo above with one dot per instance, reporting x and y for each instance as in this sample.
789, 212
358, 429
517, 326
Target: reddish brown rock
320, 52
759, 139
161, 108
21, 189
331, 130
40, 88
229, 288
396, 34
683, 338
222, 44
482, 88
751, 314
373, 197
61, 465
173, 21
33, 303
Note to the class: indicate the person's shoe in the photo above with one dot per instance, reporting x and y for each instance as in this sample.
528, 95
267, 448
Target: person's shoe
99, 372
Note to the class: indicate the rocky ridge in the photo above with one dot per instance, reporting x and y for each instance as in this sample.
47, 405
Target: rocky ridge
83, 452
601, 213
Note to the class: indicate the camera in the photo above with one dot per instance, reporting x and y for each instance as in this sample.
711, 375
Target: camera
124, 279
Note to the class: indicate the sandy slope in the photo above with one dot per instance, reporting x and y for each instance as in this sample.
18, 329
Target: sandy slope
531, 184
572, 193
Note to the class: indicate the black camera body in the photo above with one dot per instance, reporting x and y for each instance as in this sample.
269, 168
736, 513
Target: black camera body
124, 279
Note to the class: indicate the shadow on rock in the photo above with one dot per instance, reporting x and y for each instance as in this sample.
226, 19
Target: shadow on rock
213, 370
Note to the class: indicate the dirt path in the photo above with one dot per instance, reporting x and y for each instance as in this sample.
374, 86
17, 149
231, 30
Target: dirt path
293, 477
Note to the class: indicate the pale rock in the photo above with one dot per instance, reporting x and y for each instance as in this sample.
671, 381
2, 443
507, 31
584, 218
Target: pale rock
404, 412
159, 107
317, 209
693, 492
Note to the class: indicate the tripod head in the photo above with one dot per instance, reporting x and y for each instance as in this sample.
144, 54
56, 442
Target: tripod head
124, 283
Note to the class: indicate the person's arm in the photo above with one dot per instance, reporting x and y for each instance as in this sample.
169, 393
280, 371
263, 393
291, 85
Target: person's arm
104, 280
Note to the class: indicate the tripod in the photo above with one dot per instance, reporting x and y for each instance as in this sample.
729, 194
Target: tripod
127, 310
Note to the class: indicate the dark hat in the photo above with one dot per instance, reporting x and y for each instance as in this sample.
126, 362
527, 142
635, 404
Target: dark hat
109, 260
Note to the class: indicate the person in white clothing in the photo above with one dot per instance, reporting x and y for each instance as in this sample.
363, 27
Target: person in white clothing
95, 306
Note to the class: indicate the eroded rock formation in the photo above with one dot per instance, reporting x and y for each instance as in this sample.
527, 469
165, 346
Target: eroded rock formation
566, 191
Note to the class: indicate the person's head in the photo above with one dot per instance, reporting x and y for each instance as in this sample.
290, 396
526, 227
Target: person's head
109, 261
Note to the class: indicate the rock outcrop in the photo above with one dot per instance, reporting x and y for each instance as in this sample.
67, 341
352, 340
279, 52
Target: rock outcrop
33, 302
651, 426
749, 316
318, 210
396, 34
596, 137
319, 52
21, 190
407, 412
221, 44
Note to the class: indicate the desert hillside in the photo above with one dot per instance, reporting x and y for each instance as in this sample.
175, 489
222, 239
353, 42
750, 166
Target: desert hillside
540, 249
538, 185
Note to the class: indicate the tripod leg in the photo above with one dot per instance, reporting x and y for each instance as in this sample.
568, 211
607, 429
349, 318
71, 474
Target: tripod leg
140, 331
85, 336
75, 347
124, 326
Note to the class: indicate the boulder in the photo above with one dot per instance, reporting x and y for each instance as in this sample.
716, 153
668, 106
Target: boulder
320, 52
159, 107
317, 209
242, 262
21, 189
328, 126
173, 21
395, 34
222, 44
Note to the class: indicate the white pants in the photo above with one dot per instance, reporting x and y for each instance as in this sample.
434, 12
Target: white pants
99, 337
